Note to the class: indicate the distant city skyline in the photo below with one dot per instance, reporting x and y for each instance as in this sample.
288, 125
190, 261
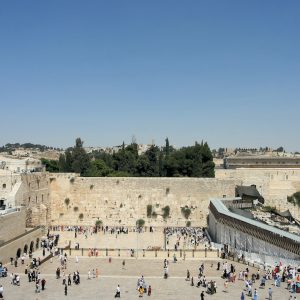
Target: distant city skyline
226, 72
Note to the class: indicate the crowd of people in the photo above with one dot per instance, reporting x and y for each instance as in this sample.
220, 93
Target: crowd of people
187, 237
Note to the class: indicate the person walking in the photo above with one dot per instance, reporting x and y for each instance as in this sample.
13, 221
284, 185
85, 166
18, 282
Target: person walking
43, 282
242, 296
202, 295
270, 293
66, 290
118, 292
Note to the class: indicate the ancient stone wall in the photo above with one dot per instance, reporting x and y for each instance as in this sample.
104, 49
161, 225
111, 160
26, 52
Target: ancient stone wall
274, 184
121, 201
35, 195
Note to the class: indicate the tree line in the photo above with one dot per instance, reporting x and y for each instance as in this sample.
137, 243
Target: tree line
191, 161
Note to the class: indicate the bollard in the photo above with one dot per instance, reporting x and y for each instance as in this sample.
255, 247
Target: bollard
193, 253
143, 252
106, 252
155, 253
81, 251
119, 252
180, 253
168, 253
205, 251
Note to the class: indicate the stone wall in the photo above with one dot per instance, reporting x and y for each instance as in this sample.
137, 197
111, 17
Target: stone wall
274, 184
35, 195
121, 201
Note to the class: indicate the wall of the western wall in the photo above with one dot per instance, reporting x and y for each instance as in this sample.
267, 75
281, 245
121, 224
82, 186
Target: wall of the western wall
121, 201
35, 195
274, 184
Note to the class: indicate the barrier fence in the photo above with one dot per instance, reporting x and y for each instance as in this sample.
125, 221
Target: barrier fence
144, 253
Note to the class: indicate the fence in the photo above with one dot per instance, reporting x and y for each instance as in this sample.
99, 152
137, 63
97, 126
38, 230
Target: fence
145, 253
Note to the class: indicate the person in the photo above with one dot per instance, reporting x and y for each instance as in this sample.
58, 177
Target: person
66, 290
242, 296
149, 290
1, 291
225, 286
188, 275
202, 295
123, 264
141, 291
118, 292
166, 272
270, 293
255, 295
43, 282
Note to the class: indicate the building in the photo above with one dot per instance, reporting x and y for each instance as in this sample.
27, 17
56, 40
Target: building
258, 242
234, 162
21, 165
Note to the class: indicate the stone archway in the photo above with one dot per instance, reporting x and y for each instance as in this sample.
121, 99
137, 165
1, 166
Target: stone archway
19, 251
25, 250
31, 246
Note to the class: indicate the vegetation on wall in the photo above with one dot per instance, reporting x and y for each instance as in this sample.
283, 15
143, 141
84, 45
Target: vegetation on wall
191, 161
149, 210
186, 212
140, 223
270, 209
67, 201
294, 199
166, 211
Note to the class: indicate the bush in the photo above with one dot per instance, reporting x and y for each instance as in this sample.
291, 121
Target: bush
188, 224
98, 223
166, 211
270, 209
81, 216
72, 180
140, 223
91, 186
154, 214
186, 212
75, 208
149, 210
67, 201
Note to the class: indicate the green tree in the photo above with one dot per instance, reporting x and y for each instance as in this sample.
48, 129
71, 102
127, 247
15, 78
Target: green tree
80, 159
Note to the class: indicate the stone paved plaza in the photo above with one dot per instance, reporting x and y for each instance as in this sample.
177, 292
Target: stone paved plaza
121, 241
112, 274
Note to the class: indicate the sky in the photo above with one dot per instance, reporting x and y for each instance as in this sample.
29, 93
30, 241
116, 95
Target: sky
226, 72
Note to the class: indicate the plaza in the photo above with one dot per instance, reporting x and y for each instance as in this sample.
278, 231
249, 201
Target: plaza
112, 272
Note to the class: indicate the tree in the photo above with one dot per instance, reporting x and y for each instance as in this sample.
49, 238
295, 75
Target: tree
98, 168
80, 159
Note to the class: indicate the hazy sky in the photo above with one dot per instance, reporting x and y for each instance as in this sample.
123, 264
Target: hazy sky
224, 71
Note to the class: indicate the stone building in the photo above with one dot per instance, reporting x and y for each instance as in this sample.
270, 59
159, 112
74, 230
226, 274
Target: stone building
253, 239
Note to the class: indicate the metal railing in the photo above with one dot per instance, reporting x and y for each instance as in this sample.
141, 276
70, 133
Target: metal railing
144, 253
